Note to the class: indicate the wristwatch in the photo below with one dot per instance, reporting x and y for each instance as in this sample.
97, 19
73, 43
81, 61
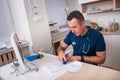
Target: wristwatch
82, 58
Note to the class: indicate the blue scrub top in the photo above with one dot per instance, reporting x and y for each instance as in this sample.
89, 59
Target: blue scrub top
86, 45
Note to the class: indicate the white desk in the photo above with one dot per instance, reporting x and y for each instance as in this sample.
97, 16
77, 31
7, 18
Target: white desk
42, 74
86, 72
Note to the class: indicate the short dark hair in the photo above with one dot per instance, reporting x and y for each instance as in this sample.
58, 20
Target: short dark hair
75, 14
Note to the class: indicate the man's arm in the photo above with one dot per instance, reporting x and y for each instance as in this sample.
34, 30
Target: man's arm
61, 51
98, 59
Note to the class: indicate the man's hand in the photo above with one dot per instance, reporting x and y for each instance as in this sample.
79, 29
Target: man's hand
61, 56
74, 58
61, 52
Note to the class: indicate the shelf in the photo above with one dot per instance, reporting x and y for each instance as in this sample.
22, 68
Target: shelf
111, 33
107, 6
104, 11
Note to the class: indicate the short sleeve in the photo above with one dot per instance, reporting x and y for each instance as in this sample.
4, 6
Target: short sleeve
101, 46
67, 40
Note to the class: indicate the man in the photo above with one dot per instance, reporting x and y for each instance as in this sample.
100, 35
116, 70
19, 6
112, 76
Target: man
88, 44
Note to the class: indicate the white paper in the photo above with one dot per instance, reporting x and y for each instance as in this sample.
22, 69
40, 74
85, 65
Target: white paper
54, 67
73, 66
70, 67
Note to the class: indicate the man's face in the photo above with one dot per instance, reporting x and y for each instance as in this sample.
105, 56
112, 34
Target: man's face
76, 27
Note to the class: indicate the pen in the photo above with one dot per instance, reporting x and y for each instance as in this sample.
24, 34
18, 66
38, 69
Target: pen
64, 62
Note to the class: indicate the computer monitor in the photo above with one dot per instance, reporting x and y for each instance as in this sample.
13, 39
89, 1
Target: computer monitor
16, 47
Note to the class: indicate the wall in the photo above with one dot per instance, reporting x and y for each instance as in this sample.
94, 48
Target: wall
39, 31
73, 5
5, 30
21, 26
56, 10
102, 18
36, 33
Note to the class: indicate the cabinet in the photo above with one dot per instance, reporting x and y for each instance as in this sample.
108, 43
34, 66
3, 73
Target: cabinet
112, 51
7, 55
99, 6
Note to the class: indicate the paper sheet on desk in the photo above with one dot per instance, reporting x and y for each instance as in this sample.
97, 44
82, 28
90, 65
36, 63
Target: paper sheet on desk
70, 67
54, 68
73, 66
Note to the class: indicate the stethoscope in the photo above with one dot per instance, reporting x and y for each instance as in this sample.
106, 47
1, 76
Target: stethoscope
84, 45
85, 52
